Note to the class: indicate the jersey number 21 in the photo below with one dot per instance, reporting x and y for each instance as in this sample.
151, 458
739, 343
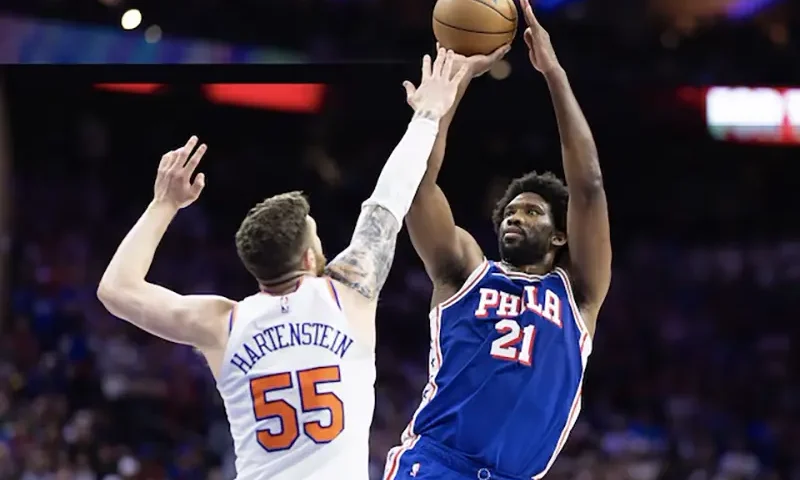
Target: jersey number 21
515, 344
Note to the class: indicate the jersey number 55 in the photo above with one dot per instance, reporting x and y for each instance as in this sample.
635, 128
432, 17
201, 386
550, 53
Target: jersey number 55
310, 400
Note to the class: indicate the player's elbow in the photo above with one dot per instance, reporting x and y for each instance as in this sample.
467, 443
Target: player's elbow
111, 298
105, 293
110, 287
115, 297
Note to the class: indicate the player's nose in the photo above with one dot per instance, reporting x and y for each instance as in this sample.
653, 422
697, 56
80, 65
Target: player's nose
514, 221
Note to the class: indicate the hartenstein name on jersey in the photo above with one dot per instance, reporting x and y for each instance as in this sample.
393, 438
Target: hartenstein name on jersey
286, 335
506, 305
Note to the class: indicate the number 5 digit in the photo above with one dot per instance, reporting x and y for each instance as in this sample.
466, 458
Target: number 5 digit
280, 409
311, 401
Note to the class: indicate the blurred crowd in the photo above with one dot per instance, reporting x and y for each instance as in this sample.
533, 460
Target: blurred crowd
621, 42
694, 371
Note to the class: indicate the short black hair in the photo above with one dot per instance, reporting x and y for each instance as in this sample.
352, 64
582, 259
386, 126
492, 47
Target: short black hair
547, 185
273, 236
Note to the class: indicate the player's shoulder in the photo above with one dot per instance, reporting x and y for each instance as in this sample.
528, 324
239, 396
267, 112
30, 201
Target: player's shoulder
346, 297
357, 310
253, 298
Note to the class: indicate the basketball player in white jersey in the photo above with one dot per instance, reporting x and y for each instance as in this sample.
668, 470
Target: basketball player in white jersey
294, 363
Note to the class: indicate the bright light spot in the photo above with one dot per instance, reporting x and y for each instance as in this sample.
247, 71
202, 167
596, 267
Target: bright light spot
131, 19
750, 107
152, 34
500, 70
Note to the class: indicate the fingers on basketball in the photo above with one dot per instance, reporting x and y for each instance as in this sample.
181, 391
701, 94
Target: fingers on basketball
501, 52
447, 68
439, 62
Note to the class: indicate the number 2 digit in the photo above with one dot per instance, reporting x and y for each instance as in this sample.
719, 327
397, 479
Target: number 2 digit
504, 348
311, 400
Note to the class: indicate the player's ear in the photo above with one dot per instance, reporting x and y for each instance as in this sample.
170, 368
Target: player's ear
309, 259
559, 239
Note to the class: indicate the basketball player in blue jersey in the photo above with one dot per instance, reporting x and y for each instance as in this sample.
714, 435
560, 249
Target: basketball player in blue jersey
510, 338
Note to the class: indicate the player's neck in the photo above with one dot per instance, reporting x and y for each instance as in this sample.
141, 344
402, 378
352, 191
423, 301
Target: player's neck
284, 284
540, 268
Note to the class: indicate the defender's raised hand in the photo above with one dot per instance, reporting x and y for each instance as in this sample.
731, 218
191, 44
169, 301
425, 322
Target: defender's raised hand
174, 180
439, 86
540, 50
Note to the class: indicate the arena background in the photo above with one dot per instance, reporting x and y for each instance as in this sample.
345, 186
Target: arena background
694, 374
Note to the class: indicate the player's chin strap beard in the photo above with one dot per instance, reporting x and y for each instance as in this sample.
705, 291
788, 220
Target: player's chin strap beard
285, 283
529, 262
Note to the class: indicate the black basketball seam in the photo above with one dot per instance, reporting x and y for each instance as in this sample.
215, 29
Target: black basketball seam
473, 31
496, 10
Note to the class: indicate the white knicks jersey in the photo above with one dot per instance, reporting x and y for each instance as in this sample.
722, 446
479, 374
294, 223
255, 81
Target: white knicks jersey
298, 387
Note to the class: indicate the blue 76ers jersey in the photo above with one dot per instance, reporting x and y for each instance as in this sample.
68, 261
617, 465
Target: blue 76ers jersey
507, 358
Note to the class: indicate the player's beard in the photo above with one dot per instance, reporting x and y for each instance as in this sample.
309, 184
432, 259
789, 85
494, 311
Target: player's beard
321, 262
529, 250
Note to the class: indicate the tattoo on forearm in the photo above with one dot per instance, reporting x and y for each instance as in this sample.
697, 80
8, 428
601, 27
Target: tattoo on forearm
365, 264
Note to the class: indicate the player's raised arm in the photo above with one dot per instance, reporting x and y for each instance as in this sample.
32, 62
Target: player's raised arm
588, 234
365, 264
197, 320
447, 251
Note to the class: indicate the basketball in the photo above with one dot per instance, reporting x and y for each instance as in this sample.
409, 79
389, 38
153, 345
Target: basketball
471, 27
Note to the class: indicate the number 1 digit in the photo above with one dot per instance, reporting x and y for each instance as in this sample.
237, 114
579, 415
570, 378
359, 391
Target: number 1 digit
526, 351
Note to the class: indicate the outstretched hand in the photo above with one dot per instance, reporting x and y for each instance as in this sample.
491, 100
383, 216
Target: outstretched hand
439, 85
174, 183
540, 49
475, 65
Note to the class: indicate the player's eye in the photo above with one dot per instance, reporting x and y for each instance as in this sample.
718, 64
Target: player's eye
533, 212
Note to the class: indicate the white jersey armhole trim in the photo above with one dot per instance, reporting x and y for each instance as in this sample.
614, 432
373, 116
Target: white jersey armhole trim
571, 295
235, 321
472, 280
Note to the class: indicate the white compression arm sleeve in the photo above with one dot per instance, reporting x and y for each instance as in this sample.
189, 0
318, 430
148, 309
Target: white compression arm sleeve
403, 172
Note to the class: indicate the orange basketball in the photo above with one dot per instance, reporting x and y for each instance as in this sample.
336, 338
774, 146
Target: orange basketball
471, 27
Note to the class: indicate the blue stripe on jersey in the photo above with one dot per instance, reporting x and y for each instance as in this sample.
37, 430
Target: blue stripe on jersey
335, 293
230, 319
507, 389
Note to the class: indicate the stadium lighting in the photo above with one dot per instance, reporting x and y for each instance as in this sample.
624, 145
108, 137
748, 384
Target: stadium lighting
131, 19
